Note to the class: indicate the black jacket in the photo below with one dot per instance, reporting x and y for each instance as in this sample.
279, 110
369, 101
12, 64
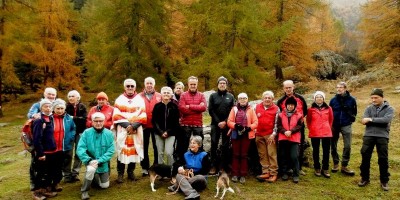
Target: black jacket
79, 116
165, 118
219, 106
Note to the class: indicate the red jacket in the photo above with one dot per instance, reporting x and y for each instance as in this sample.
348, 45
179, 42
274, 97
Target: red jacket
107, 110
319, 121
192, 116
150, 106
266, 119
252, 120
294, 125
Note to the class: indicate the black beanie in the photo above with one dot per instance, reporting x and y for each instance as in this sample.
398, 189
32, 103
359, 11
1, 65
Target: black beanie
291, 100
377, 91
221, 78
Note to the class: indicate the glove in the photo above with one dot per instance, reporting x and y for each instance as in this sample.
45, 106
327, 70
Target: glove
247, 129
135, 125
238, 127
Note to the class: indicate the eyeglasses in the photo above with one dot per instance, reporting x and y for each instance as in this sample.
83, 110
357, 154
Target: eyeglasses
130, 86
71, 96
98, 121
242, 98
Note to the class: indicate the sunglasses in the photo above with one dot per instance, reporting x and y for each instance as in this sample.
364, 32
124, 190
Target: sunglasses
130, 86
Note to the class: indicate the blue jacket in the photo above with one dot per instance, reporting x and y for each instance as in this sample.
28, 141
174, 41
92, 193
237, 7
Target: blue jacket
98, 146
344, 109
199, 162
35, 108
69, 132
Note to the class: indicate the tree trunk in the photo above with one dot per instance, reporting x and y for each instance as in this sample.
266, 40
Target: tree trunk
2, 21
277, 66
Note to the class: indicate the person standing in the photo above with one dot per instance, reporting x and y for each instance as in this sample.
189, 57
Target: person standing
192, 104
78, 112
267, 114
95, 149
220, 104
344, 108
104, 107
301, 108
166, 124
319, 123
242, 121
128, 117
151, 97
178, 90
377, 120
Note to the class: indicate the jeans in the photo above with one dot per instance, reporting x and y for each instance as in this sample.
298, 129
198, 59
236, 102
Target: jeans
346, 134
101, 179
366, 153
167, 145
69, 156
326, 143
216, 158
289, 154
147, 133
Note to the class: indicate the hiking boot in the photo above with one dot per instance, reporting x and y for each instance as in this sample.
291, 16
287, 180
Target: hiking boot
56, 188
363, 183
263, 177
145, 172
172, 188
326, 174
213, 171
131, 176
48, 193
347, 171
303, 173
296, 179
120, 178
194, 195
37, 195
242, 180
385, 186
335, 168
272, 179
285, 177
317, 172
234, 179
85, 195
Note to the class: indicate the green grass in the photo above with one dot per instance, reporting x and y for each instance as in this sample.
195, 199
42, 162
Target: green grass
14, 180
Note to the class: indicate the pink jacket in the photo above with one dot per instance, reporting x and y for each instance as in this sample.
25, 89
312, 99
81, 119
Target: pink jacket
252, 120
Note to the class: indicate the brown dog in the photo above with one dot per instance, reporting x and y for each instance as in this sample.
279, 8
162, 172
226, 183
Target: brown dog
223, 182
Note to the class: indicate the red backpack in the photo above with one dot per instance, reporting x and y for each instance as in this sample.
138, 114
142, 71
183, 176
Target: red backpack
27, 136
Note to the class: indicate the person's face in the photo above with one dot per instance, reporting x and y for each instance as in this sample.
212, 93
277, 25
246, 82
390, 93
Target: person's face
243, 101
166, 95
98, 123
101, 102
194, 147
290, 107
72, 98
222, 86
50, 96
340, 89
46, 109
149, 86
376, 100
288, 88
59, 110
267, 100
319, 99
192, 85
130, 89
178, 89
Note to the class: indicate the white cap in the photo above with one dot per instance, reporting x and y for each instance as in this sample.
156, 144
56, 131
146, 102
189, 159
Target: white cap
243, 95
319, 93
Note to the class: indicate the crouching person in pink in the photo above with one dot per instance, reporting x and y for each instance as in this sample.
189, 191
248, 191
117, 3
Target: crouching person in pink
95, 149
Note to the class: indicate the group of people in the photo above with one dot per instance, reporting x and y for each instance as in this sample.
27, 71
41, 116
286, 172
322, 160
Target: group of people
173, 120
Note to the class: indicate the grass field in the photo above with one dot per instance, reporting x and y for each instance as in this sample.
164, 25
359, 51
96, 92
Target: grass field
14, 180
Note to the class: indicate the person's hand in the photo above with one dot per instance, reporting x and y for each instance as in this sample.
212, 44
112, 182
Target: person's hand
94, 163
288, 133
222, 124
366, 120
36, 116
165, 134
43, 158
187, 106
129, 129
202, 104
271, 139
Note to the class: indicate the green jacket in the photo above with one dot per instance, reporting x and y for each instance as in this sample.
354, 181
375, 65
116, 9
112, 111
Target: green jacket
96, 146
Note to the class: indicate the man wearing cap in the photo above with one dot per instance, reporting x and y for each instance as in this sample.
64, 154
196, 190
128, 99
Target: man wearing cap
220, 104
377, 119
151, 97
344, 107
301, 108
95, 149
128, 117
192, 104
104, 107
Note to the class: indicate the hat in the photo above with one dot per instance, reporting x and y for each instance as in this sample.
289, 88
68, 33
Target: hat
102, 95
291, 100
243, 95
222, 78
59, 102
377, 91
319, 93
44, 101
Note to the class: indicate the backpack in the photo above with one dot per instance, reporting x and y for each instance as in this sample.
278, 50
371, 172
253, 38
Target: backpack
27, 136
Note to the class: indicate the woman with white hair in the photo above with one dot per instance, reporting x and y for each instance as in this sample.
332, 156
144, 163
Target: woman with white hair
166, 123
78, 112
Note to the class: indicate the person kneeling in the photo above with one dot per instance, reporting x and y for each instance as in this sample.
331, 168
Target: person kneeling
196, 161
95, 149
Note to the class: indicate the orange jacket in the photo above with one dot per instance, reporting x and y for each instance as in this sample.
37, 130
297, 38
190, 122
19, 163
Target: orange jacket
252, 120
